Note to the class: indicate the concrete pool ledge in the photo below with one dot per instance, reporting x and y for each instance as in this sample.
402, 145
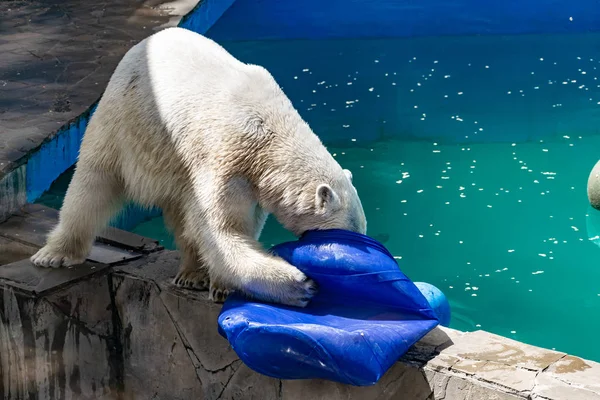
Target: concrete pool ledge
115, 328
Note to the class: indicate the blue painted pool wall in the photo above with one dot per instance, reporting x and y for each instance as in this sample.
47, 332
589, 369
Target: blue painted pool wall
55, 156
319, 19
206, 13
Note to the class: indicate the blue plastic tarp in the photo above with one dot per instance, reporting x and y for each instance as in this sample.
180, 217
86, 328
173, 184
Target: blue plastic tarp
364, 318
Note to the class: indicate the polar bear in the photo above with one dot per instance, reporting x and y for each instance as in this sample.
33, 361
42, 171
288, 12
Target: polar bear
217, 145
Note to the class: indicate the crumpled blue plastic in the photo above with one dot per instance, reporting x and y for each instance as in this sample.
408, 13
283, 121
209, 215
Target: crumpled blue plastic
364, 318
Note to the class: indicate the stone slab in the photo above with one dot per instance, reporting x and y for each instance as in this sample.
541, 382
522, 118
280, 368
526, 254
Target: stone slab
156, 360
88, 302
27, 229
487, 347
549, 386
576, 373
40, 211
400, 382
440, 337
105, 254
32, 231
513, 378
39, 281
159, 268
446, 386
426, 351
45, 354
196, 319
11, 251
128, 240
110, 236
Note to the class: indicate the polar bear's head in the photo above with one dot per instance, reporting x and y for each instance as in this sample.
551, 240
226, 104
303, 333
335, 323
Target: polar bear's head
333, 204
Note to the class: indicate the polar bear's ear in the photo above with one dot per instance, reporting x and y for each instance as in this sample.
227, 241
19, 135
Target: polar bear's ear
348, 174
326, 198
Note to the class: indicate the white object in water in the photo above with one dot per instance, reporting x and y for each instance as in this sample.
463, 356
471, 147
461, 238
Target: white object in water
593, 186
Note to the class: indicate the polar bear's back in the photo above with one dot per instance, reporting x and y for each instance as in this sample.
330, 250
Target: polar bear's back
178, 75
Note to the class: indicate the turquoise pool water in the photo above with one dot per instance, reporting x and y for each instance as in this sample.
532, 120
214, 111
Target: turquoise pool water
471, 156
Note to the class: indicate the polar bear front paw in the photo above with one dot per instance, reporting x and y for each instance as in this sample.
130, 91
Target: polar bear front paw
299, 293
49, 258
192, 279
217, 293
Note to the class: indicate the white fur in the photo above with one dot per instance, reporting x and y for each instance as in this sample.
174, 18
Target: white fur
218, 146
